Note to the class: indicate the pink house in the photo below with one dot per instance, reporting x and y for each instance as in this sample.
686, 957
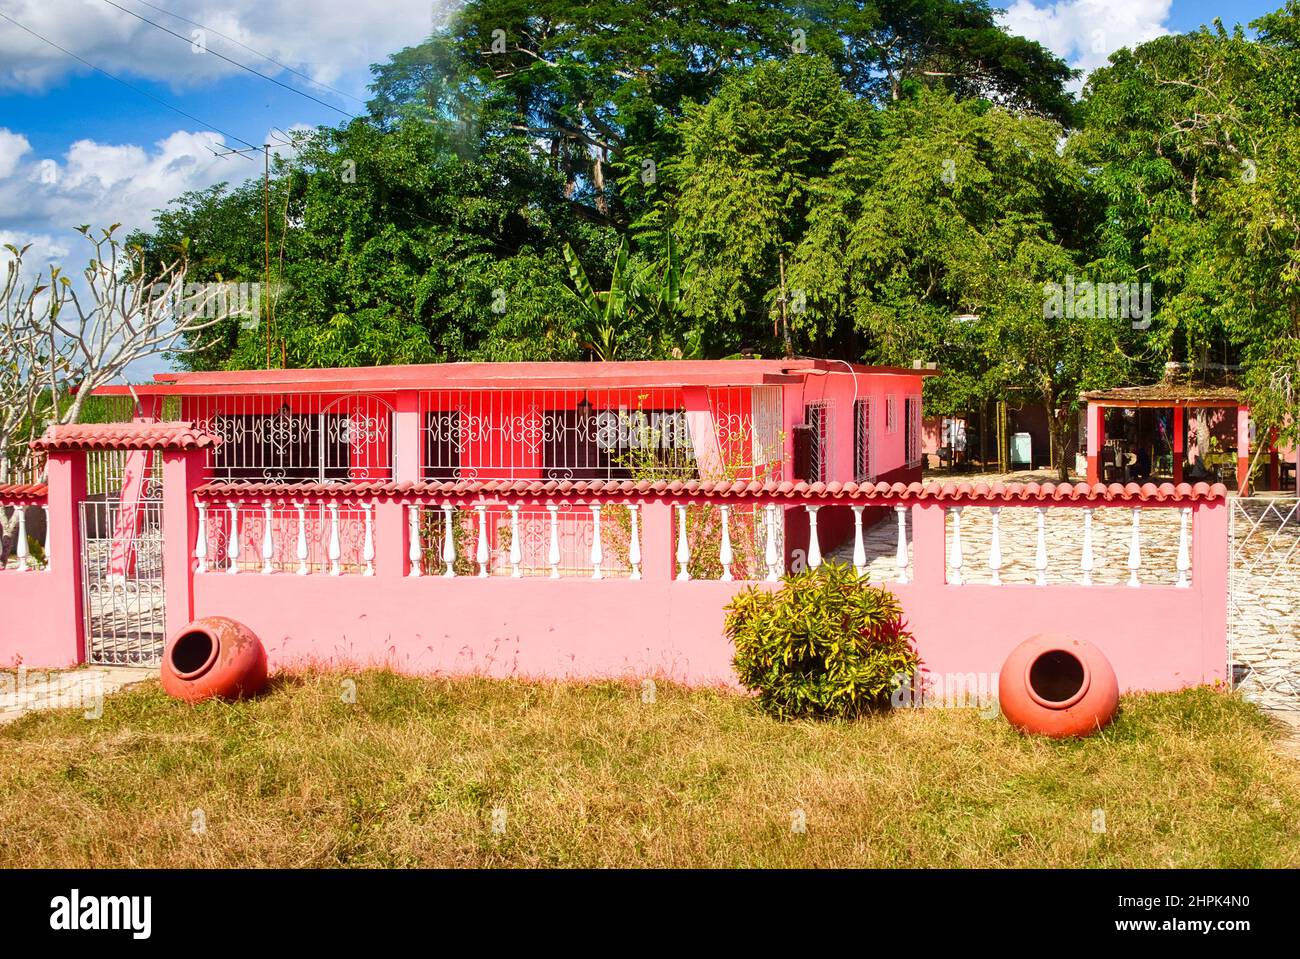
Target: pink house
562, 520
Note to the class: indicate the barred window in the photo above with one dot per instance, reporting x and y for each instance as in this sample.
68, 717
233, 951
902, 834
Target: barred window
815, 465
862, 440
891, 414
912, 429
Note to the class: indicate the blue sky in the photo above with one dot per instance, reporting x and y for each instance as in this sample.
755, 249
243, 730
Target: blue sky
77, 147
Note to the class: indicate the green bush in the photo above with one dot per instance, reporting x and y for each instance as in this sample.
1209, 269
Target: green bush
825, 644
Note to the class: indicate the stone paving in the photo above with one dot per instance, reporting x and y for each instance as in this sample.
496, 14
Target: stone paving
27, 690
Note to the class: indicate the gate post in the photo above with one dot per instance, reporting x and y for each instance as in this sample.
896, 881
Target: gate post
183, 473
65, 472
1210, 573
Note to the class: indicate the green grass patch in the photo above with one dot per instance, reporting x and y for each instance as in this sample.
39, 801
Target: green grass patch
432, 772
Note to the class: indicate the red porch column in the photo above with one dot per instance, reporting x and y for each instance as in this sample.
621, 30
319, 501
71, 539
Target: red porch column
1180, 443
182, 475
1243, 449
703, 431
407, 436
392, 523
66, 481
1096, 440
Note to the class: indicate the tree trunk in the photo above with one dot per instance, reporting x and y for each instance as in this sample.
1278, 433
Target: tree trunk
598, 179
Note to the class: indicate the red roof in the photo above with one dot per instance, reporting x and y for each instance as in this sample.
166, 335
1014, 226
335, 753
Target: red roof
125, 436
951, 493
22, 492
431, 376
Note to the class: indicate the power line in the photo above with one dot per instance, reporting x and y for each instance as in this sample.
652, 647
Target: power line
242, 66
264, 56
129, 86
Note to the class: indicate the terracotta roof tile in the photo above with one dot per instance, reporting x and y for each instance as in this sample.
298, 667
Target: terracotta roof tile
841, 493
22, 492
125, 436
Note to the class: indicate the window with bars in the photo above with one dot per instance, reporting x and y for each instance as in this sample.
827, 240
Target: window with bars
891, 414
912, 429
296, 438
862, 440
812, 444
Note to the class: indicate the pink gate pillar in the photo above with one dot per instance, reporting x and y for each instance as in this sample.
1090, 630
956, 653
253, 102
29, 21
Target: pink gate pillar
183, 471
62, 640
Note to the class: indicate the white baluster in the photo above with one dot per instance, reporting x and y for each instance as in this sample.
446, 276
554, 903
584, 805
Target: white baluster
1184, 551
814, 547
597, 553
683, 547
770, 556
481, 556
448, 540
20, 548
1135, 548
955, 558
200, 547
724, 553
303, 568
516, 551
414, 548
1040, 557
553, 554
368, 540
995, 546
1087, 564
232, 543
268, 544
335, 547
900, 555
634, 546
859, 547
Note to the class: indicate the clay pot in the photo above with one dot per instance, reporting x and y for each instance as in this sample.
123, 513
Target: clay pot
1056, 686
213, 656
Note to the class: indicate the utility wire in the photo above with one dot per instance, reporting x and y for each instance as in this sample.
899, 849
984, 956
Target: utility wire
222, 56
129, 86
264, 56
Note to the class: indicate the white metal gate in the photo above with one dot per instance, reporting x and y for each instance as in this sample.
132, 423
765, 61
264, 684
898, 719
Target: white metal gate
1264, 599
121, 564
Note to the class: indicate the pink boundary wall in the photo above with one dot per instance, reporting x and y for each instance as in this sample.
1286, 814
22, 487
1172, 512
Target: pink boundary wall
1157, 637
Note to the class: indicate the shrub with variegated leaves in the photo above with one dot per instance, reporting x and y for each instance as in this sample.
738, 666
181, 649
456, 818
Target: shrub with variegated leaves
825, 644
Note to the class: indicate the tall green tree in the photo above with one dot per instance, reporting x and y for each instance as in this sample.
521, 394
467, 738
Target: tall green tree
1194, 143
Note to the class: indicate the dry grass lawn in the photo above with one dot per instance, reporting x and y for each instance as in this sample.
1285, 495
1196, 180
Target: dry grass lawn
490, 773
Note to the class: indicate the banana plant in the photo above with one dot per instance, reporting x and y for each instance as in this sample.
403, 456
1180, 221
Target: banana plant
604, 313
652, 294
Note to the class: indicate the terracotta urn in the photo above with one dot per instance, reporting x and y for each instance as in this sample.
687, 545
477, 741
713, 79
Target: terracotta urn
213, 656
1056, 686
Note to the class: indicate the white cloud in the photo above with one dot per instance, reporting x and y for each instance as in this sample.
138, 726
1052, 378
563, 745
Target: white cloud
43, 249
325, 39
45, 197
105, 183
13, 147
1086, 32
